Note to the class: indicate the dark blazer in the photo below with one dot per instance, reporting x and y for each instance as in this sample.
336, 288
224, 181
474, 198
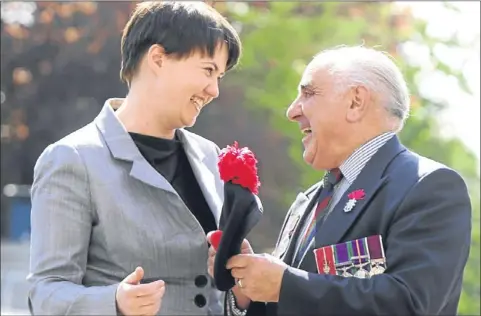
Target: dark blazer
421, 209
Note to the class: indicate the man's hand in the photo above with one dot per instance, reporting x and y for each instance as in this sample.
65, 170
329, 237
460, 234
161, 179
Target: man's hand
242, 300
134, 298
245, 249
260, 275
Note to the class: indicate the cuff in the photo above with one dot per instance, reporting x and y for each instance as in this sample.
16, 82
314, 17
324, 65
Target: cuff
294, 282
232, 309
99, 300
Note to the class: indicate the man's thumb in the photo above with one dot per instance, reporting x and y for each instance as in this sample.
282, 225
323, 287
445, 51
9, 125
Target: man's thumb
135, 277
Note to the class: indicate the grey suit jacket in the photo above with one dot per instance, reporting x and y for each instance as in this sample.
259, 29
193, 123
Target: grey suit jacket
99, 210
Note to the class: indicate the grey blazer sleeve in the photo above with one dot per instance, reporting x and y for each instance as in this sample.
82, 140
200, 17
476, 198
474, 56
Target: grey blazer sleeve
427, 248
61, 222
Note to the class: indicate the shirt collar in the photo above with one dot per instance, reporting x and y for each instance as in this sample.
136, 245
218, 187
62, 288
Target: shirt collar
353, 165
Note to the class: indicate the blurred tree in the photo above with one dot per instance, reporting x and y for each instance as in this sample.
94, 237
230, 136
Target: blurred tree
280, 40
60, 61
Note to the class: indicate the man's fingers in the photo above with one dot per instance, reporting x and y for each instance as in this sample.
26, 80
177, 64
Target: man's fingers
212, 251
238, 261
238, 273
245, 243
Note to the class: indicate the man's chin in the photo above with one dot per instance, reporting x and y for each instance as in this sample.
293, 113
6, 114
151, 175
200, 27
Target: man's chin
308, 157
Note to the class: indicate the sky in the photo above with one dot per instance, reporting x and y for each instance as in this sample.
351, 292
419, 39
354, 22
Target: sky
462, 117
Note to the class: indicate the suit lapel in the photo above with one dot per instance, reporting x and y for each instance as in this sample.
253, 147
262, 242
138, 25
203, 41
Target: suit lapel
123, 147
371, 179
303, 212
290, 222
205, 176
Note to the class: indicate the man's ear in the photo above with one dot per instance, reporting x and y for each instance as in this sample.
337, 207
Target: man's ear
359, 103
155, 57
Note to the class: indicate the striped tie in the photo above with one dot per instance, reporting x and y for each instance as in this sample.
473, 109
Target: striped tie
332, 178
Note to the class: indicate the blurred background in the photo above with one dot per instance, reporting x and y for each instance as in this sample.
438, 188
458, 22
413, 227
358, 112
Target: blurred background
61, 60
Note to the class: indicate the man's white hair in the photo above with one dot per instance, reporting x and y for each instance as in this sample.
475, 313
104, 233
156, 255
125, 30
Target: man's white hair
359, 65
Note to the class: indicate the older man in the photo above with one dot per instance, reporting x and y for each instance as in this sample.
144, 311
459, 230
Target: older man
385, 232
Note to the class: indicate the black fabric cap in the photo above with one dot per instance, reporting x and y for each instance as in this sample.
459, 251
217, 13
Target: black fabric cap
241, 211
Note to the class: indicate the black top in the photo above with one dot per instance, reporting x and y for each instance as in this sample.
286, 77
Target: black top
170, 160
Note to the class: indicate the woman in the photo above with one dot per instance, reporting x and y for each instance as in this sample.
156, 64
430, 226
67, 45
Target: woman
121, 207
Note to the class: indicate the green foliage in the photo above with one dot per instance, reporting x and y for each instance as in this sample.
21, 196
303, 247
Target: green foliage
279, 39
279, 42
277, 45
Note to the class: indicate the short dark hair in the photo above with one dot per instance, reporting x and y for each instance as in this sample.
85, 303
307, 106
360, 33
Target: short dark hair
181, 28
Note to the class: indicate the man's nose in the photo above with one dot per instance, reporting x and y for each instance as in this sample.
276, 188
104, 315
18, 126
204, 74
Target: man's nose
294, 110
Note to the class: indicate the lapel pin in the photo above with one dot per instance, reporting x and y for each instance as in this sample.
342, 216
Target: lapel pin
354, 196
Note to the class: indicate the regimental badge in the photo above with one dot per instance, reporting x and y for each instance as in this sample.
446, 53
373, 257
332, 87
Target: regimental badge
349, 205
360, 258
354, 196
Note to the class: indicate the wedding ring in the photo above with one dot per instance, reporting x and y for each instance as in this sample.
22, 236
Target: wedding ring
239, 282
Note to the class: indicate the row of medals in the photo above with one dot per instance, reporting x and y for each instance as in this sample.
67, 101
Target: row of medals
361, 272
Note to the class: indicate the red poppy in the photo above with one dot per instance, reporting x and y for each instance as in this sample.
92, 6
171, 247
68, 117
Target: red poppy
238, 165
357, 195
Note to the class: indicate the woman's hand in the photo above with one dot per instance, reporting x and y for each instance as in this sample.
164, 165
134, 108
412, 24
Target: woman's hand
133, 298
242, 300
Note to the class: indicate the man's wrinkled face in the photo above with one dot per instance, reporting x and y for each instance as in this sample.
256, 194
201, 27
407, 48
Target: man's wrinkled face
320, 112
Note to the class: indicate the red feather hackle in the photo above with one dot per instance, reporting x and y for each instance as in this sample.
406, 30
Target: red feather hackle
238, 165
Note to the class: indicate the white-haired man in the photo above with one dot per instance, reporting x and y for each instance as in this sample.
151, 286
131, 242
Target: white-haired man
386, 232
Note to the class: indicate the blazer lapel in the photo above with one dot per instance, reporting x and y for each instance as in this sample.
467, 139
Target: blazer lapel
123, 147
371, 179
303, 212
205, 176
290, 222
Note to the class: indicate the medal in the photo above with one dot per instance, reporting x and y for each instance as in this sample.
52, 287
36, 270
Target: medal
361, 272
377, 268
343, 263
325, 260
345, 267
326, 268
376, 254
